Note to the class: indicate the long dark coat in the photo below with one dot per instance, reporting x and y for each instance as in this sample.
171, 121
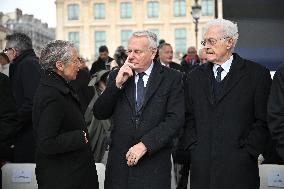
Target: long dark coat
159, 120
227, 134
275, 110
24, 73
8, 118
63, 159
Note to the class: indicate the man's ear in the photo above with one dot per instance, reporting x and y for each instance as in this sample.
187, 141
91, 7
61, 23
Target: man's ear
59, 65
230, 43
154, 51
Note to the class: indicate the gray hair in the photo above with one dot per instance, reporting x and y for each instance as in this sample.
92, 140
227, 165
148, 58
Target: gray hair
228, 29
152, 37
57, 50
19, 41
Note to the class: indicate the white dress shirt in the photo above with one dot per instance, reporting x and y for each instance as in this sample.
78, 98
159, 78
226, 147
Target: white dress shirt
226, 68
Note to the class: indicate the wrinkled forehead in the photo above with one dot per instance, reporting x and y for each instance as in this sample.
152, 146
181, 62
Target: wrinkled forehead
138, 42
213, 32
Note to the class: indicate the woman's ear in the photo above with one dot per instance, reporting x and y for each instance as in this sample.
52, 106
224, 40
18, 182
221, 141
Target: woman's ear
59, 65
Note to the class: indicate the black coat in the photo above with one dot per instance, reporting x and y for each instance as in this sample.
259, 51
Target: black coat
25, 76
155, 125
275, 110
8, 118
99, 64
63, 159
226, 135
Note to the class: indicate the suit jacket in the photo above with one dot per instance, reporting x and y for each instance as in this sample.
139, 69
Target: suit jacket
63, 159
226, 135
159, 119
275, 111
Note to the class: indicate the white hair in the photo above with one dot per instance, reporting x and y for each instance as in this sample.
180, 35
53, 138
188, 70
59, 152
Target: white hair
227, 28
152, 37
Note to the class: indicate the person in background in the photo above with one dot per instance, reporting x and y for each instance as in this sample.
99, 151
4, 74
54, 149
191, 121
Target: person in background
145, 102
226, 111
202, 56
63, 154
4, 64
119, 58
190, 60
80, 84
24, 74
103, 62
166, 57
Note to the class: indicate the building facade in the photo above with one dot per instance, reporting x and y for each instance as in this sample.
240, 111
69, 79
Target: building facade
92, 23
39, 32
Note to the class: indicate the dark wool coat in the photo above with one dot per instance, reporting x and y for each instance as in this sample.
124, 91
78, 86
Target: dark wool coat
24, 73
275, 110
155, 125
63, 159
99, 64
8, 118
227, 134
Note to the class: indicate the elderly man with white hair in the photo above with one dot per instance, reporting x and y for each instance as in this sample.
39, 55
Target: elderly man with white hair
226, 101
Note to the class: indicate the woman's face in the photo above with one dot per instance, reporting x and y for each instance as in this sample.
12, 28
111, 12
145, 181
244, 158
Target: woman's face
69, 71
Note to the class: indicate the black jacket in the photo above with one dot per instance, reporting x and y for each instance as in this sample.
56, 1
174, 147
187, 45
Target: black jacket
25, 75
99, 64
159, 119
227, 133
8, 118
63, 159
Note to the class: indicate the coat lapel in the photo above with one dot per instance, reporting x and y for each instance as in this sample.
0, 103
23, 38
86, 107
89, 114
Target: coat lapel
206, 81
154, 82
129, 91
235, 74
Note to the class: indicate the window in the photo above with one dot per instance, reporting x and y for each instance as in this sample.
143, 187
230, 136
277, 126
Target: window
179, 8
125, 10
100, 39
207, 7
157, 32
180, 41
74, 37
73, 12
125, 34
153, 9
99, 11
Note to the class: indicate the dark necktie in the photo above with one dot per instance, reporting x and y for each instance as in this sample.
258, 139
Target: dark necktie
140, 90
219, 71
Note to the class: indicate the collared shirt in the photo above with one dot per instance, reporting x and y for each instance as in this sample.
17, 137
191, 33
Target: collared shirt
167, 65
226, 66
145, 77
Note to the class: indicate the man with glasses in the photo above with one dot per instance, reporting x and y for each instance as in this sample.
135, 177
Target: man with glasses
24, 73
226, 126
145, 101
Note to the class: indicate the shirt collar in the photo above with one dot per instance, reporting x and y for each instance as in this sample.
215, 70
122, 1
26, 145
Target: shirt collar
148, 71
226, 65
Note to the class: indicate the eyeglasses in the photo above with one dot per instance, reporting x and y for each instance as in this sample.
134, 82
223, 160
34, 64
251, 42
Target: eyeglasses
212, 41
7, 49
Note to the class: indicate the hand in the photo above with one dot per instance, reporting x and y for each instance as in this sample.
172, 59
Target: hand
135, 153
85, 135
124, 73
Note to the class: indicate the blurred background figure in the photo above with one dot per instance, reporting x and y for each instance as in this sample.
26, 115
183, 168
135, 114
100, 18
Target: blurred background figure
202, 56
99, 130
4, 63
8, 122
190, 60
63, 155
119, 58
80, 84
166, 57
103, 62
24, 73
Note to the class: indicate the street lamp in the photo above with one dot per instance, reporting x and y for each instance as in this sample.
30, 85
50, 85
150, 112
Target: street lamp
196, 13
